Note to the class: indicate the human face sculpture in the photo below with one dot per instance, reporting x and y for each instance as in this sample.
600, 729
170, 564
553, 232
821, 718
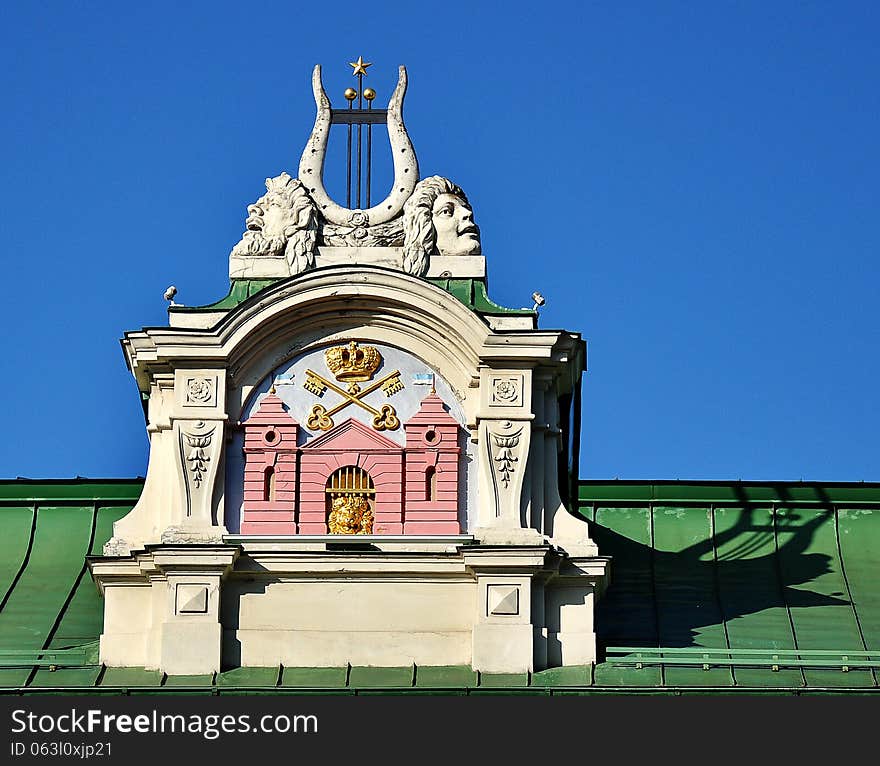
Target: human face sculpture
453, 220
266, 223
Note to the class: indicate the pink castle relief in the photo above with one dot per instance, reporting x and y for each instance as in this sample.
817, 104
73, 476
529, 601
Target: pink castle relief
410, 490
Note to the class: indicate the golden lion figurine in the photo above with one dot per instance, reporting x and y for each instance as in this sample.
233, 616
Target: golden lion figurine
350, 515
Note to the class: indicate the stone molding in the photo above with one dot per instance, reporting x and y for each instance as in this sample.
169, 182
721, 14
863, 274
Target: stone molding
512, 602
277, 267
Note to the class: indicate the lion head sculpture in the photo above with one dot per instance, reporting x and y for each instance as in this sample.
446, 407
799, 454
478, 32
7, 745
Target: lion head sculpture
283, 221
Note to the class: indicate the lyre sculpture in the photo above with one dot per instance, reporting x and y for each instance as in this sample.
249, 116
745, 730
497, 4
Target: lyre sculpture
356, 457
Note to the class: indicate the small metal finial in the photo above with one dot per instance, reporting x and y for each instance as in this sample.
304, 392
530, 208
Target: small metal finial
369, 94
169, 295
350, 94
433, 383
538, 299
272, 388
360, 66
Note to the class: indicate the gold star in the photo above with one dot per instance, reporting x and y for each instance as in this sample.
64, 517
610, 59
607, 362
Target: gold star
360, 66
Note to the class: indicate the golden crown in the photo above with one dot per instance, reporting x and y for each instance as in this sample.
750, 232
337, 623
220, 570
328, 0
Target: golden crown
353, 362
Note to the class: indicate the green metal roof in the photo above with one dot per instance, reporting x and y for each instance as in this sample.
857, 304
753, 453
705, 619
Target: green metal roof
752, 572
47, 597
739, 566
471, 292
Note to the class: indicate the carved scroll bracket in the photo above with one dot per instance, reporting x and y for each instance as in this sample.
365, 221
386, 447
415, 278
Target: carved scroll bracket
504, 449
200, 444
161, 403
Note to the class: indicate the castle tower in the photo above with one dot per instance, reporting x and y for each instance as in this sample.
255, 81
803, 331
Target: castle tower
432, 455
270, 436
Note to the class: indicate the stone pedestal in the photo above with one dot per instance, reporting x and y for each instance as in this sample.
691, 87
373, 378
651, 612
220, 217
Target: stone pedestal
163, 608
505, 621
378, 600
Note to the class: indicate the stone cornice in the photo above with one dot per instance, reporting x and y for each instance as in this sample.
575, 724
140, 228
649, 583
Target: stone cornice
343, 297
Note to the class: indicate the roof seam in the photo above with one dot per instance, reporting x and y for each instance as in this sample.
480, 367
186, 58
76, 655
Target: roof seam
61, 612
849, 595
24, 561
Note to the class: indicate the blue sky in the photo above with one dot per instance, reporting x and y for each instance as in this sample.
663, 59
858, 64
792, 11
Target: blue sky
692, 186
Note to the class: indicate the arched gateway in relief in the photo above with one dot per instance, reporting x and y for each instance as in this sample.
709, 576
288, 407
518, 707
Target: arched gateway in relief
345, 412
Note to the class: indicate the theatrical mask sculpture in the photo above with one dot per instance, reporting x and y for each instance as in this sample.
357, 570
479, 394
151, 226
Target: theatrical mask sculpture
437, 220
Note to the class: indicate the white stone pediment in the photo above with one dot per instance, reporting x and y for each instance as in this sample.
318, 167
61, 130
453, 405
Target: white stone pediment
320, 306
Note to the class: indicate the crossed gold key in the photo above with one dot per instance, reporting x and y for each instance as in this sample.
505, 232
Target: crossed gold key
384, 418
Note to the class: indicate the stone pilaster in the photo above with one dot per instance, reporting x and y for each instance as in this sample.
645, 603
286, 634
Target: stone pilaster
505, 625
570, 605
190, 634
504, 436
199, 424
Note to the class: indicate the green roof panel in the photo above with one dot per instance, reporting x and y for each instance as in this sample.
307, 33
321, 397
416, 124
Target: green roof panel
506, 680
48, 491
377, 676
17, 523
443, 677
206, 679
62, 539
816, 591
859, 537
302, 678
82, 620
66, 677
244, 677
572, 675
127, 677
685, 584
750, 594
627, 613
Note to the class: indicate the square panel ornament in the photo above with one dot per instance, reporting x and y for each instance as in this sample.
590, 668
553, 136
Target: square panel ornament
505, 391
192, 599
502, 599
200, 391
